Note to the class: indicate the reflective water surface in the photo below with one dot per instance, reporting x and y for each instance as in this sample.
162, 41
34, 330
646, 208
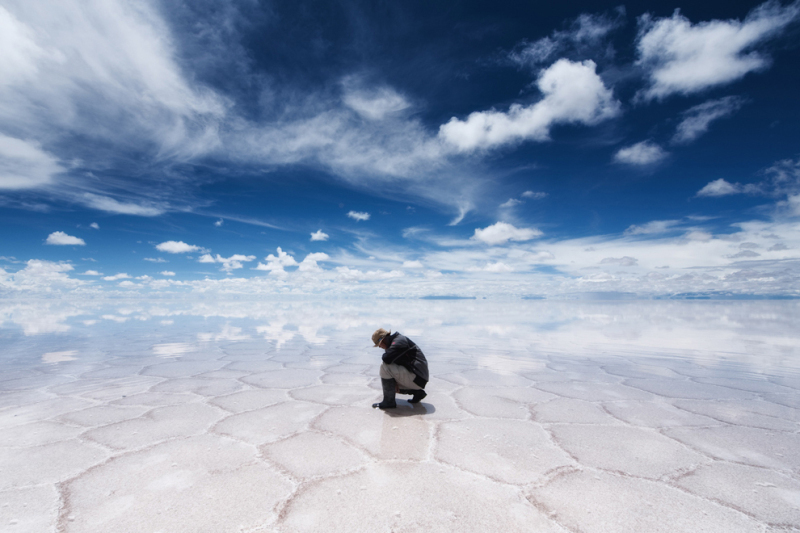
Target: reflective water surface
193, 415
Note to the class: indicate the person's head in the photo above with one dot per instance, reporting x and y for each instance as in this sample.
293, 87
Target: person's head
379, 337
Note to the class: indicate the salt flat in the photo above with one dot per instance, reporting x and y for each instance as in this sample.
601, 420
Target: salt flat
540, 416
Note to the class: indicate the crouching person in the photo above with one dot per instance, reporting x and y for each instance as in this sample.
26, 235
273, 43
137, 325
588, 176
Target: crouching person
404, 369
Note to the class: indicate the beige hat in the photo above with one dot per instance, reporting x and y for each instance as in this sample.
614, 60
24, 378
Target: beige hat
378, 335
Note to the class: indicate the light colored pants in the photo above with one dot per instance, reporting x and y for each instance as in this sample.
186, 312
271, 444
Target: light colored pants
404, 377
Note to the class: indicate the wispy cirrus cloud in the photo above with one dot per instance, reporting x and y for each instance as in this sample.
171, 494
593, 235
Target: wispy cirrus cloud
697, 119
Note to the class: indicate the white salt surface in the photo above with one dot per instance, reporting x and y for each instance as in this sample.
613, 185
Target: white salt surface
540, 416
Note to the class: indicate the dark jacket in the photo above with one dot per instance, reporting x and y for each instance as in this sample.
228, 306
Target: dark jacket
402, 351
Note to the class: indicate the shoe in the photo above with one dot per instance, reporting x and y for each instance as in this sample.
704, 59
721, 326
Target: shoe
388, 395
418, 396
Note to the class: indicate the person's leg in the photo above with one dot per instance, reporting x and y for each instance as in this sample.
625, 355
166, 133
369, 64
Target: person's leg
405, 380
389, 385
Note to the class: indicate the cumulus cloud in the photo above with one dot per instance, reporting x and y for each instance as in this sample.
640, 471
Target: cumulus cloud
23, 164
167, 273
697, 119
40, 276
115, 277
685, 58
499, 266
358, 216
309, 264
156, 259
94, 225
276, 263
91, 273
61, 238
641, 154
228, 263
177, 247
512, 202
502, 232
412, 264
319, 235
218, 223
782, 181
573, 93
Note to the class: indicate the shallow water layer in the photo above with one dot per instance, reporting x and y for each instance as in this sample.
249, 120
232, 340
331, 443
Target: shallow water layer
215, 416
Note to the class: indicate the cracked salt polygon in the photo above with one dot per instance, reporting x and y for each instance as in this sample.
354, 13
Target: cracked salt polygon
745, 384
513, 451
249, 400
202, 386
657, 414
635, 451
602, 502
768, 495
29, 510
571, 411
37, 434
788, 399
182, 369
371, 430
102, 415
216, 485
754, 413
155, 399
159, 424
312, 454
593, 391
510, 402
486, 378
284, 379
683, 388
252, 367
356, 380
269, 423
49, 463
24, 414
752, 446
334, 394
432, 498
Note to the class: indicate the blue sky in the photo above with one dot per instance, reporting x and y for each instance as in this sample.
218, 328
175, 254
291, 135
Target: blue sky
399, 148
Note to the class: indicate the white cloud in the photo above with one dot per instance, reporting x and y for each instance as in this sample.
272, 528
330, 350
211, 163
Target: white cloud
502, 232
720, 187
276, 263
40, 276
643, 153
61, 238
359, 216
110, 205
511, 202
652, 228
309, 264
585, 32
412, 264
319, 236
373, 103
534, 195
622, 261
573, 93
498, 267
697, 119
167, 273
94, 225
156, 260
23, 164
116, 277
228, 263
91, 273
177, 247
219, 223
683, 58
